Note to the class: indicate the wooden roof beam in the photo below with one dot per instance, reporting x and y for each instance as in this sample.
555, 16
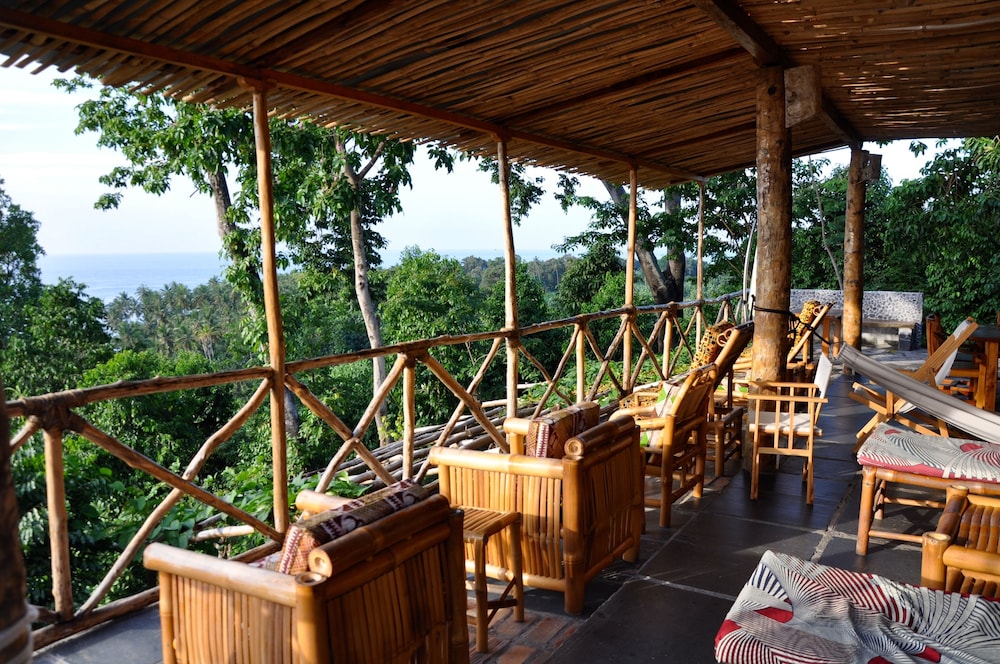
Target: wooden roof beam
729, 15
134, 47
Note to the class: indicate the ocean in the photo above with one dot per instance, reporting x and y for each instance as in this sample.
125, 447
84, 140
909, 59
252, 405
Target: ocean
108, 275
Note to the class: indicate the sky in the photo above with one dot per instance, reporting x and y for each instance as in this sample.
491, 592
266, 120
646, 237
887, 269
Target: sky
50, 171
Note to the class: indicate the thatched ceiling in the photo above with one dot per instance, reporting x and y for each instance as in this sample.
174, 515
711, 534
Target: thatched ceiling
582, 85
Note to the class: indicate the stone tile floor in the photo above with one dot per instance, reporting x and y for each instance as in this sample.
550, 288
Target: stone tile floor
668, 606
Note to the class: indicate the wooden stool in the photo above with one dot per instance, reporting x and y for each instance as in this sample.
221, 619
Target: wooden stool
479, 526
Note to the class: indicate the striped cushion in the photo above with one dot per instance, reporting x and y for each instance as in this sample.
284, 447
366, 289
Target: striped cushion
305, 535
900, 449
547, 435
796, 611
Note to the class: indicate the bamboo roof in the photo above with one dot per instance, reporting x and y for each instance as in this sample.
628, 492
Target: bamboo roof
584, 86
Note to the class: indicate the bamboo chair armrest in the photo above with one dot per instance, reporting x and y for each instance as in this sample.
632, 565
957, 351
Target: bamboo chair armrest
633, 412
516, 425
517, 464
227, 574
313, 501
786, 398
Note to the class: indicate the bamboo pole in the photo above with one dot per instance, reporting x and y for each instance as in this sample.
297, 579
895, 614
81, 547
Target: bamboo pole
699, 281
194, 466
55, 491
145, 464
473, 405
774, 247
510, 280
272, 305
854, 249
581, 361
409, 416
633, 215
13, 580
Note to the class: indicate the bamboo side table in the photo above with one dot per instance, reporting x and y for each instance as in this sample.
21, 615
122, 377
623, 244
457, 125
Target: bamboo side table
479, 526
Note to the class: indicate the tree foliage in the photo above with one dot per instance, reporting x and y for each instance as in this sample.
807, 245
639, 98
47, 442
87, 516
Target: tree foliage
20, 278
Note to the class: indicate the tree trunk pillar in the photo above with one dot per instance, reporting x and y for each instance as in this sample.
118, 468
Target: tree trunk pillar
13, 581
633, 215
510, 281
854, 250
272, 308
774, 239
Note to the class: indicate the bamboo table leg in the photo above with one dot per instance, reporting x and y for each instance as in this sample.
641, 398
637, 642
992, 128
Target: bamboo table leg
479, 526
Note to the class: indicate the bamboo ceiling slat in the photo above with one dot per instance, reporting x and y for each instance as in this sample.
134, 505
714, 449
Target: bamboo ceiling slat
586, 87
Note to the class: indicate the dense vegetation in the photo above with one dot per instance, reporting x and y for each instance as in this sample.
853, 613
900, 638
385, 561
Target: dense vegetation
933, 234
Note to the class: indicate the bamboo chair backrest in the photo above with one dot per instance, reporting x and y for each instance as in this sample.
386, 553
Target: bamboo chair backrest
737, 341
389, 591
977, 422
578, 512
801, 343
695, 393
777, 406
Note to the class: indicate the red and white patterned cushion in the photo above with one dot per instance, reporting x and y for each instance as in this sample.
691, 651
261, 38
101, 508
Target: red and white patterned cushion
900, 449
792, 610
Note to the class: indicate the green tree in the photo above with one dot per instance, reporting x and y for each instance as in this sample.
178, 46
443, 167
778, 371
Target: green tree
331, 186
941, 238
428, 296
64, 336
20, 278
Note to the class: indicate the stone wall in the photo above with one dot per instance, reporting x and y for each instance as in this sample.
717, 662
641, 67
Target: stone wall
904, 307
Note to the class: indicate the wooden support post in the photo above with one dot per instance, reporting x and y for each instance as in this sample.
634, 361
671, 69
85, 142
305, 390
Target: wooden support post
774, 243
272, 306
55, 491
700, 280
854, 250
12, 580
633, 215
581, 362
409, 415
510, 282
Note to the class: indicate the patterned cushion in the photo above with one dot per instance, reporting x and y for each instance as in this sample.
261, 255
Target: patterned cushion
665, 402
934, 456
547, 435
805, 318
307, 534
796, 611
711, 343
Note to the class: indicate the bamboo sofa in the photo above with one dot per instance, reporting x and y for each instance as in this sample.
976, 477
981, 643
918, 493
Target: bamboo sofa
963, 553
392, 590
581, 506
793, 610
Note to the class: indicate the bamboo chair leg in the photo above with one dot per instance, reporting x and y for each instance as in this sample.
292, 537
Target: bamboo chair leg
867, 509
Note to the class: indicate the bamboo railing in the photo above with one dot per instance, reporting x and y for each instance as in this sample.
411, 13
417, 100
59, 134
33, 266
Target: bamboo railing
473, 423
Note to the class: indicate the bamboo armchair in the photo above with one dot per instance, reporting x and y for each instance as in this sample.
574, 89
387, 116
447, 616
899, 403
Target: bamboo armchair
677, 430
389, 591
579, 512
963, 553
782, 413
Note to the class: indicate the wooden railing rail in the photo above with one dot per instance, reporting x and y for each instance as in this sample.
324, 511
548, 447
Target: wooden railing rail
477, 423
